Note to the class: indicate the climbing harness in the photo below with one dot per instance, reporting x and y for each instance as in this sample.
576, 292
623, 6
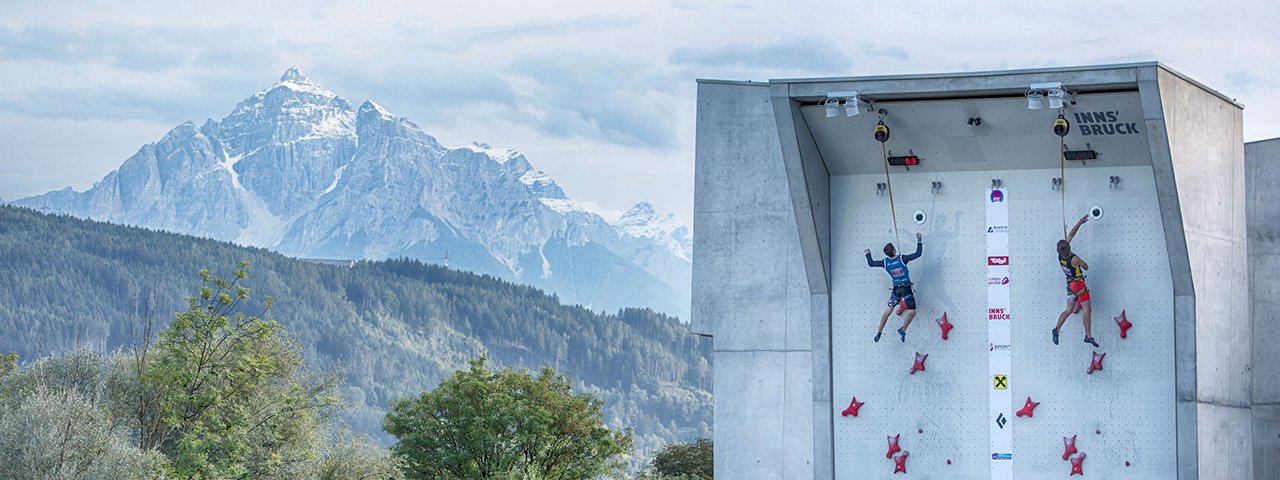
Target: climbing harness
882, 136
1060, 128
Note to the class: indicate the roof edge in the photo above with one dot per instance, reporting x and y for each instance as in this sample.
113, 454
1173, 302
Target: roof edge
715, 81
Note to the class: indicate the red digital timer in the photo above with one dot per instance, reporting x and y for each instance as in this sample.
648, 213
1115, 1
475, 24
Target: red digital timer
907, 161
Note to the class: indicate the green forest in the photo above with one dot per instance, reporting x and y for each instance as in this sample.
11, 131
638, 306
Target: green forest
392, 329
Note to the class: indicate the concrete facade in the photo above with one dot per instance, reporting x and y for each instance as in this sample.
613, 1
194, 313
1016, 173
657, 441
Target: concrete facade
762, 258
1262, 175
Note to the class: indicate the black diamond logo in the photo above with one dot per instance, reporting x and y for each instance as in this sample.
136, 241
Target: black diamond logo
1000, 421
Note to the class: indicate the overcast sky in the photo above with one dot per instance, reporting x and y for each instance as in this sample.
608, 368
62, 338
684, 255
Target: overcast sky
599, 94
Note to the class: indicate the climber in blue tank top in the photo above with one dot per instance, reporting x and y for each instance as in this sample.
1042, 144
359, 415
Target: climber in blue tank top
896, 267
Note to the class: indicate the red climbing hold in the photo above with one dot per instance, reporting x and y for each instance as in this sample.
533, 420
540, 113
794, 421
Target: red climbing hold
1123, 322
853, 408
1077, 465
902, 307
1068, 446
948, 461
919, 365
900, 463
1028, 409
1096, 364
893, 446
944, 325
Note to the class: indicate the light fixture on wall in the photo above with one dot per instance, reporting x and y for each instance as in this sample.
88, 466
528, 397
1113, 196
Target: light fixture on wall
852, 107
1035, 100
1053, 90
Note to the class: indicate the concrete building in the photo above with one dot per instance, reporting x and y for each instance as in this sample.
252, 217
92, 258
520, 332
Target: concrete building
1262, 178
788, 196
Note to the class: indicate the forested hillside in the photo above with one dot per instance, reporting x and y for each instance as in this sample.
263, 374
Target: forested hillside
396, 327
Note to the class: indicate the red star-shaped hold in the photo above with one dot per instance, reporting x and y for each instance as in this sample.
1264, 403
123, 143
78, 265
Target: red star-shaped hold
1096, 364
900, 463
1077, 465
853, 408
1123, 322
893, 446
1068, 446
919, 365
1028, 409
944, 325
902, 307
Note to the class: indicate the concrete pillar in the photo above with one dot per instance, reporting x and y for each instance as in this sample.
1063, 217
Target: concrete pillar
1262, 178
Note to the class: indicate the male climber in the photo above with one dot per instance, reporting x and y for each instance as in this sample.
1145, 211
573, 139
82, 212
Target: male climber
1077, 293
897, 268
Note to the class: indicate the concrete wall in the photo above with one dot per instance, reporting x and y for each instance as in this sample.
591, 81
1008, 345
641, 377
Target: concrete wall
754, 295
1204, 137
1262, 177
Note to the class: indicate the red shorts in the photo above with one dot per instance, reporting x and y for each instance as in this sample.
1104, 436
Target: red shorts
1077, 291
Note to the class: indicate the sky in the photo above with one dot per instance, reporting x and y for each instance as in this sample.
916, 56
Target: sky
599, 94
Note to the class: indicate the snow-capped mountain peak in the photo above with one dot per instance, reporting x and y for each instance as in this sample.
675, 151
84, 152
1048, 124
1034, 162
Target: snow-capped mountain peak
297, 169
643, 221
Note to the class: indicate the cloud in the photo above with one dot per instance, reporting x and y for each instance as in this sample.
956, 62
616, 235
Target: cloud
1246, 82
604, 96
810, 53
896, 53
134, 48
445, 39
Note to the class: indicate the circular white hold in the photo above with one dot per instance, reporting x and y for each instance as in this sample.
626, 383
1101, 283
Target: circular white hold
1095, 213
920, 217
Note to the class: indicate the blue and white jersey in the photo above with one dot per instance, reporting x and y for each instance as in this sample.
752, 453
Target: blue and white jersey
898, 270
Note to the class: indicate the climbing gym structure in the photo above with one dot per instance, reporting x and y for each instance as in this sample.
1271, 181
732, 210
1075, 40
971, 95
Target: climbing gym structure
797, 178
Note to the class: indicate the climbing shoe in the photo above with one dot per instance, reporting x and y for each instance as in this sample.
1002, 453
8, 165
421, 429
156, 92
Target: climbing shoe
878, 336
1090, 341
903, 334
1055, 336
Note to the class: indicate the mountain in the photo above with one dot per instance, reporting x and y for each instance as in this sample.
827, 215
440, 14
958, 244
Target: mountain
395, 327
297, 169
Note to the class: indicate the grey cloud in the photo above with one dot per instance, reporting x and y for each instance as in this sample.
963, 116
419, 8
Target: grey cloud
135, 48
429, 88
443, 39
800, 54
604, 96
897, 53
1245, 81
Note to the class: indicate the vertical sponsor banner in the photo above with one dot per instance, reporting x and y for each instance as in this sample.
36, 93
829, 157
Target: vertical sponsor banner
999, 334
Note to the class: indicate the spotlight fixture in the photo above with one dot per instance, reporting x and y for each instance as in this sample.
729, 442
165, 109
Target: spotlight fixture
1058, 96
851, 106
832, 105
1035, 100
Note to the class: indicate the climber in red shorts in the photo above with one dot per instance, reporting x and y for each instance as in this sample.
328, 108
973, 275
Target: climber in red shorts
1077, 292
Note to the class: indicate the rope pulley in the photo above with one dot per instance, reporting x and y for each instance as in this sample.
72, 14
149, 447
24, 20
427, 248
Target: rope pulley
1061, 127
882, 132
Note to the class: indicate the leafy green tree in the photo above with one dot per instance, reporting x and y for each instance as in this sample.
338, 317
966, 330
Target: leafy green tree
8, 363
508, 424
235, 400
686, 460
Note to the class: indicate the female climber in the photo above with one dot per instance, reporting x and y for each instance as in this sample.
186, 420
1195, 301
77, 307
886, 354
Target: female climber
896, 266
1077, 293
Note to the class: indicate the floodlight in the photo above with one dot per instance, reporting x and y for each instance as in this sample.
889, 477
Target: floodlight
832, 105
851, 106
1035, 100
1056, 95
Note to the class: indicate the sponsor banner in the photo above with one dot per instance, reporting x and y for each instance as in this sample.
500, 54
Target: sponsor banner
999, 334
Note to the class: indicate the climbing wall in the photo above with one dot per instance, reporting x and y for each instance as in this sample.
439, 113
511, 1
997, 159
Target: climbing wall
1122, 416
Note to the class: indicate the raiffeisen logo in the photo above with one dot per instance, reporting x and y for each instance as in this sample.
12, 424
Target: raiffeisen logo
998, 261
1104, 123
997, 280
997, 314
997, 196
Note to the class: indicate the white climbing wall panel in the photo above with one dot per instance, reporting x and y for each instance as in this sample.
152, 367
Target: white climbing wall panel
1124, 413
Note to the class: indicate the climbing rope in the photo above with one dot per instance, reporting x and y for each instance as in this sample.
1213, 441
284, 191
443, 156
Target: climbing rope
882, 136
1060, 128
